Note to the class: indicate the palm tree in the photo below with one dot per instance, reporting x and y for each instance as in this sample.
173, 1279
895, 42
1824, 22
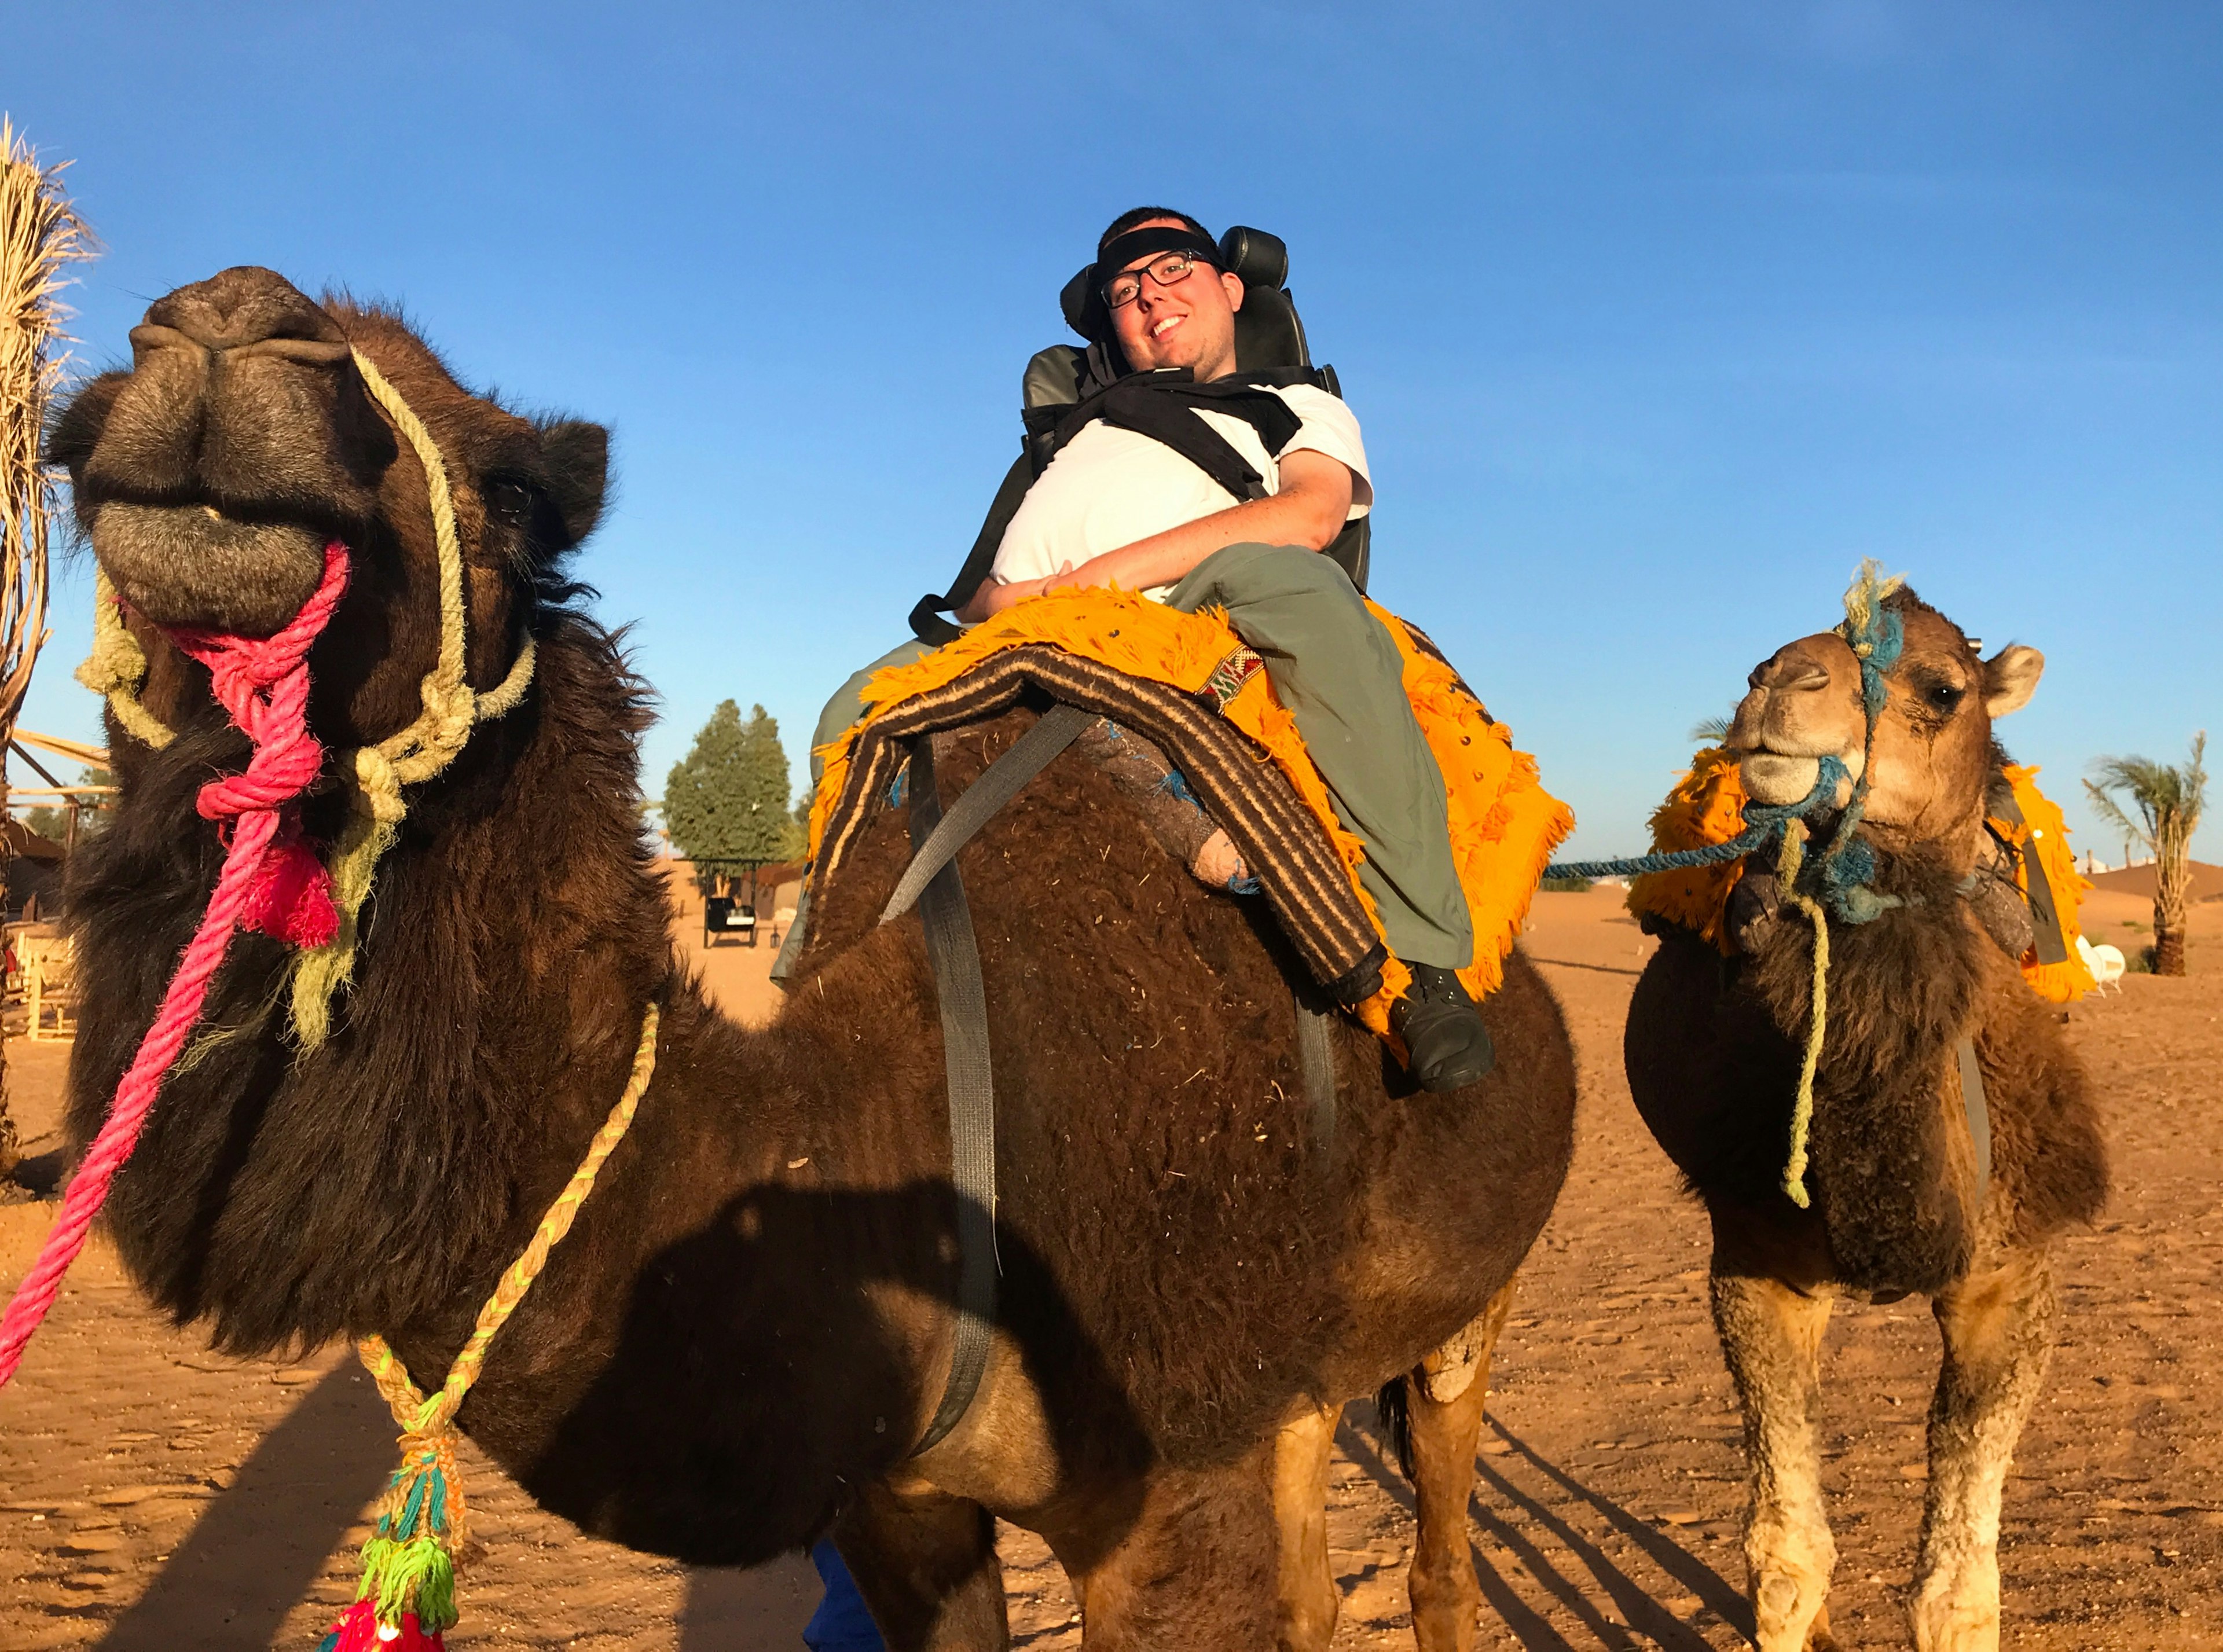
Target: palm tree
2169, 801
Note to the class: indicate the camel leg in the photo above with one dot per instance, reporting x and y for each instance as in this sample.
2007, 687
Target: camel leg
1999, 1329
1306, 1583
1772, 1340
1444, 1404
1193, 1569
925, 1565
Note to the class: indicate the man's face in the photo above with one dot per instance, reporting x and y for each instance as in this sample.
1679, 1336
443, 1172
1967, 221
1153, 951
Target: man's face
1189, 324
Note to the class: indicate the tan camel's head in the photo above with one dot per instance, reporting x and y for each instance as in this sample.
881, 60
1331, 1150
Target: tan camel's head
1932, 746
209, 476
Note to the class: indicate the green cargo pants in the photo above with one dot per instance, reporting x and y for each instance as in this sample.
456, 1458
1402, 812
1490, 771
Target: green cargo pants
1340, 674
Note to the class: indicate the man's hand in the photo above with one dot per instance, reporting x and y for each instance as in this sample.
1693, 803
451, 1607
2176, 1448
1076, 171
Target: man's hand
994, 595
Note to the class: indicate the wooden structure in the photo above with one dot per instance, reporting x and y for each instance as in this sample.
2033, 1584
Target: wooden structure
43, 971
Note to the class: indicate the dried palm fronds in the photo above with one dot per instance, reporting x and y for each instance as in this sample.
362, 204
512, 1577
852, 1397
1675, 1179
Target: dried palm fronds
40, 235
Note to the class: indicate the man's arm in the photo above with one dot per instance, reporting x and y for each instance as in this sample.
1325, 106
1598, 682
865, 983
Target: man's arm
1310, 510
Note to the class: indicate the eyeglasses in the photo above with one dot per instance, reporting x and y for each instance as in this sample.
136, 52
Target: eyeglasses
1167, 269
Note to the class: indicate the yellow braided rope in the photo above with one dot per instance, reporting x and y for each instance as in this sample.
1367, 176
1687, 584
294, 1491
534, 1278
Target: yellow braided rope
118, 668
418, 752
426, 1418
434, 1450
1792, 857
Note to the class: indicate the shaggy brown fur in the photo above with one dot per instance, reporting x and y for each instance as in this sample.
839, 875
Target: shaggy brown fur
1712, 1050
748, 1326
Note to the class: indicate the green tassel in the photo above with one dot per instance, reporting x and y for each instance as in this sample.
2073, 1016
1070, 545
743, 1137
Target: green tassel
415, 1575
406, 1566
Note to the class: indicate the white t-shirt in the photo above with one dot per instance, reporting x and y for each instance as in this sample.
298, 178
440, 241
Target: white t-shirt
1109, 487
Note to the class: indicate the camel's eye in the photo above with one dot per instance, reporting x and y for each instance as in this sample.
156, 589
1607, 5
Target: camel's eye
508, 501
1942, 696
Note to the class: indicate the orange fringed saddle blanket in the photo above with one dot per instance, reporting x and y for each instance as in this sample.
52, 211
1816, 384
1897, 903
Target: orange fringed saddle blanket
1503, 824
1706, 806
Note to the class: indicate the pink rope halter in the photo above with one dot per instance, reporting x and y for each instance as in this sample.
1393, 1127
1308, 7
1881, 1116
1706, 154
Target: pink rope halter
270, 881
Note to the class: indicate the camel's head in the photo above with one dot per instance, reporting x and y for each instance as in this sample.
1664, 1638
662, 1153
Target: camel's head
211, 475
1932, 745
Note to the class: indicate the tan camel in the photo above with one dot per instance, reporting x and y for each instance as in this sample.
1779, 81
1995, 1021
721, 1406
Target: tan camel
1900, 1201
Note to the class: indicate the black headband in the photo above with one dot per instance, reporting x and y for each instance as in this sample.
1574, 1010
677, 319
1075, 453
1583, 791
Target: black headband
1156, 238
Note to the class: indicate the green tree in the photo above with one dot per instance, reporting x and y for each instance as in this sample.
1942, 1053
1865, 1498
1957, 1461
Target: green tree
2168, 800
727, 801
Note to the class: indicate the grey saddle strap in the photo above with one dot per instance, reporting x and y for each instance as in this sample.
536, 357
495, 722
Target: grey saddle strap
955, 955
932, 883
1316, 1060
1973, 1104
1055, 729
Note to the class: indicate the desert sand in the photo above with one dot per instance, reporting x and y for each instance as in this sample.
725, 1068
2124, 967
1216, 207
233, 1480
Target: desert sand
154, 1497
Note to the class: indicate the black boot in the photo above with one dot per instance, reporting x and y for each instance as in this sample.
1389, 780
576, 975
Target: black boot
1445, 1044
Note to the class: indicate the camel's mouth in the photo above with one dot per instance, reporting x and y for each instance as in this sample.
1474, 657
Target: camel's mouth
192, 565
1783, 777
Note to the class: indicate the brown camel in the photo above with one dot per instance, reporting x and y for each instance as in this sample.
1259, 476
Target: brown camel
1899, 1203
749, 1327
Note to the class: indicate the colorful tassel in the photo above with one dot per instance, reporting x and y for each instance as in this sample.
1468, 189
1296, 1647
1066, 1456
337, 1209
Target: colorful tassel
407, 1596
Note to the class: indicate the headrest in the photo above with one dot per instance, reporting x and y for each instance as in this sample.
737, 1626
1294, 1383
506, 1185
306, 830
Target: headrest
1260, 260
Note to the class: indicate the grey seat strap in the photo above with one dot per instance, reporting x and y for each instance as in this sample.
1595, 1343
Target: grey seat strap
1316, 1060
1056, 729
1979, 1116
954, 955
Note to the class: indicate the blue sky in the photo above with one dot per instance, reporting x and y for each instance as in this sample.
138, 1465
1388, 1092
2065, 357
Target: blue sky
1658, 316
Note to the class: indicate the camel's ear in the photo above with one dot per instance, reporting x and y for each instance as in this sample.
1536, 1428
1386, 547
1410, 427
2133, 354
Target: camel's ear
578, 455
2011, 678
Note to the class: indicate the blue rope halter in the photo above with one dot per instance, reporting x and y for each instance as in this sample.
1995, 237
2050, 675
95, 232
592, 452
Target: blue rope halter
1842, 873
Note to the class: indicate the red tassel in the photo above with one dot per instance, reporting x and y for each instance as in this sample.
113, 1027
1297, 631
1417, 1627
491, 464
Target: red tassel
291, 895
359, 1630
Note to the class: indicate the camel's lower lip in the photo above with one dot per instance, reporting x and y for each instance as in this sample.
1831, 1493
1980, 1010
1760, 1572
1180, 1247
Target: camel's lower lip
189, 565
1771, 777
1781, 777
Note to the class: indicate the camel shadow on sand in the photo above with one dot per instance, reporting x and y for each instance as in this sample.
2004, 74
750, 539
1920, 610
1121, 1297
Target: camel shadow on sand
1609, 1602
262, 1545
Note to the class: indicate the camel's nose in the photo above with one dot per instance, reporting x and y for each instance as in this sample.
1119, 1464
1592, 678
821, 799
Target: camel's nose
247, 305
1789, 669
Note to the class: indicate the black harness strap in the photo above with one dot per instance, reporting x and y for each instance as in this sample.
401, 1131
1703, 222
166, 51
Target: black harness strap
955, 955
1169, 408
1163, 405
1055, 729
2047, 935
1972, 1102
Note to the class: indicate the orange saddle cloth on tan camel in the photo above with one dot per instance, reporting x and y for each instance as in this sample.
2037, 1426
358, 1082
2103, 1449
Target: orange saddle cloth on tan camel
1706, 807
1186, 683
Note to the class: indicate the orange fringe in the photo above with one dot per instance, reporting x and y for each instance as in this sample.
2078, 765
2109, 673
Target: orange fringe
2042, 838
1707, 807
1503, 824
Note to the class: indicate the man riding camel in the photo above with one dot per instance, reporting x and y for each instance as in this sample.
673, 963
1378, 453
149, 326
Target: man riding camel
1119, 507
